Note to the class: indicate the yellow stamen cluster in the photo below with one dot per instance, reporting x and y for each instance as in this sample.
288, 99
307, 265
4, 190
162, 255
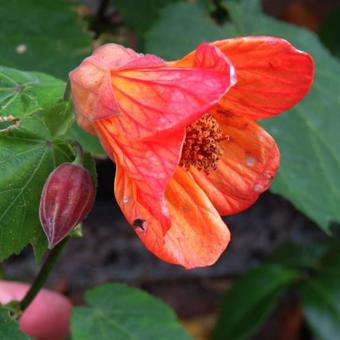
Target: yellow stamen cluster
202, 147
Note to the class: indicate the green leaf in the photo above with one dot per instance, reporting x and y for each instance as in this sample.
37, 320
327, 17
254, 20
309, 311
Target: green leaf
27, 155
249, 302
308, 136
329, 31
59, 119
9, 328
90, 143
42, 35
90, 165
23, 93
190, 25
321, 298
116, 311
300, 256
139, 15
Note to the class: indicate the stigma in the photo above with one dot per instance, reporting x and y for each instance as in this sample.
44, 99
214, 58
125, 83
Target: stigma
202, 146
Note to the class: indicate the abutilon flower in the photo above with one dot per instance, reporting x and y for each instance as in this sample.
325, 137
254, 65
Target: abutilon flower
184, 136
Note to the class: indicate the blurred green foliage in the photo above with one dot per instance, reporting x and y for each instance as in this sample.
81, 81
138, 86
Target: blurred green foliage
329, 32
139, 15
311, 271
251, 300
39, 35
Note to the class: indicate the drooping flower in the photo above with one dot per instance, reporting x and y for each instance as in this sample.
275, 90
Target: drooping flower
184, 136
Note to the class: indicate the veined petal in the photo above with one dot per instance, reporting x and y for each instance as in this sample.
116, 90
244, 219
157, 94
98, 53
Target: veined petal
154, 102
197, 235
148, 163
166, 96
247, 166
148, 94
272, 76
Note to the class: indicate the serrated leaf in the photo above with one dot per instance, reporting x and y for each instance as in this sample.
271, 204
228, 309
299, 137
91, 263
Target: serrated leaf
41, 35
249, 302
308, 136
321, 298
27, 155
116, 311
23, 93
9, 328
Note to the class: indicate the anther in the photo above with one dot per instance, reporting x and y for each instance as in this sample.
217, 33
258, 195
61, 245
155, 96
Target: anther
202, 147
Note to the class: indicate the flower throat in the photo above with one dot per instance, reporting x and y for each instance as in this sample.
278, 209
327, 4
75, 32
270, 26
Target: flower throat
201, 147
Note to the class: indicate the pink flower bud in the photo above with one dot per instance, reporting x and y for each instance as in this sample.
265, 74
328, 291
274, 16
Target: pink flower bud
67, 197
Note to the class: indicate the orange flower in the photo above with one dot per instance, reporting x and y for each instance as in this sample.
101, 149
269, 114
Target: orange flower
184, 135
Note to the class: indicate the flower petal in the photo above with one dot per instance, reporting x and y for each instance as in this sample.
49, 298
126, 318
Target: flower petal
148, 94
249, 162
166, 97
149, 163
197, 235
154, 101
272, 76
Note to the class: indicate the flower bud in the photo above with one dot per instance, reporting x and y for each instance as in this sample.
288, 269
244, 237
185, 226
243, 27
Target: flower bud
67, 197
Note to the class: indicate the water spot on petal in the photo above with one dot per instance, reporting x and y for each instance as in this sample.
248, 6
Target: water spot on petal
258, 188
267, 174
250, 160
125, 199
165, 210
261, 138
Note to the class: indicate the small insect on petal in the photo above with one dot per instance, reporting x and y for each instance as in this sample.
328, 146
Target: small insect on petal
67, 197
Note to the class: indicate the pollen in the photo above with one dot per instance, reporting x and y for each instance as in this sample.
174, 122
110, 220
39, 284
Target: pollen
202, 146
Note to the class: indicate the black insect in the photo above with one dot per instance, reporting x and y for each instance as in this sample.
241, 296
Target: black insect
138, 223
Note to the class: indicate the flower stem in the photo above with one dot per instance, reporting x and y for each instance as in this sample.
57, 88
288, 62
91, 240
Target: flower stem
45, 270
79, 151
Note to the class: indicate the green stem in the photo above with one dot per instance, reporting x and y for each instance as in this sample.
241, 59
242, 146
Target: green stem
2, 271
45, 271
79, 151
